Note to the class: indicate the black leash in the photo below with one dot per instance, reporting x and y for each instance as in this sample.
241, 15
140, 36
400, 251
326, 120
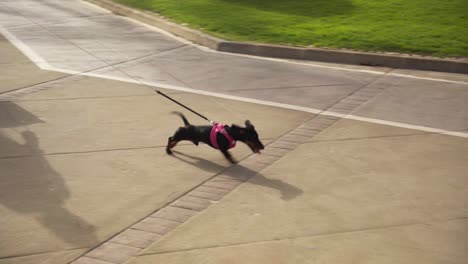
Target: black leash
184, 106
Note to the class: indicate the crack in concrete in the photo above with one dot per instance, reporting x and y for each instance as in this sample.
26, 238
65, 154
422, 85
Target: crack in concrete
55, 22
41, 253
384, 227
98, 151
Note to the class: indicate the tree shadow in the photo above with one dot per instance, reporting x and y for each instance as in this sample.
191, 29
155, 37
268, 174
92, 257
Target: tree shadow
35, 188
241, 172
308, 8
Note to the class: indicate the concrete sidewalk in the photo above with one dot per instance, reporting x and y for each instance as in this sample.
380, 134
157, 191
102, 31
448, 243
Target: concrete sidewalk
82, 158
84, 174
358, 193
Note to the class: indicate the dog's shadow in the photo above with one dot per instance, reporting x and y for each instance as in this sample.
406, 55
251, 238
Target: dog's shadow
238, 171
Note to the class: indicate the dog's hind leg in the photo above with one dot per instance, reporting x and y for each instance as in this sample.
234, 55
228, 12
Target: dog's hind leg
181, 134
170, 144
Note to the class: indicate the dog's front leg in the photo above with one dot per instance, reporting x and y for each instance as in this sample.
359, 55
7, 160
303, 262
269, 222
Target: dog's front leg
228, 155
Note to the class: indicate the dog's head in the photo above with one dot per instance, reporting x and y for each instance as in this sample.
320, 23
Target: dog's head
249, 136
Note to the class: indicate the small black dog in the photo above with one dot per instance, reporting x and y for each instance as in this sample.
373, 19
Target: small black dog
218, 136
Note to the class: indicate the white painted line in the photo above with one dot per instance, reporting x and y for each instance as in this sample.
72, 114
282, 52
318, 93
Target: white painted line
426, 78
27, 51
274, 104
165, 33
41, 63
194, 91
403, 125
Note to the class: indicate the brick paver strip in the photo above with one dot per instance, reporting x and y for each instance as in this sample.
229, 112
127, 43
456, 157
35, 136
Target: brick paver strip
222, 185
348, 104
165, 222
152, 225
174, 214
317, 126
88, 260
189, 205
324, 118
309, 127
272, 151
206, 195
295, 138
367, 91
359, 97
196, 200
285, 144
354, 100
135, 238
367, 97
347, 108
211, 190
374, 88
340, 110
304, 132
150, 229
223, 177
114, 253
226, 179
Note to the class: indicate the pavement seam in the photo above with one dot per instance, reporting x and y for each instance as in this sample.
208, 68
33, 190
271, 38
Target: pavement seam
41, 253
308, 236
83, 98
58, 22
95, 151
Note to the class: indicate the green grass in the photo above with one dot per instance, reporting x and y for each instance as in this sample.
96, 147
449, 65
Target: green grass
431, 27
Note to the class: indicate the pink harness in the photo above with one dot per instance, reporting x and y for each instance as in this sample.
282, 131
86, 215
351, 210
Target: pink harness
219, 128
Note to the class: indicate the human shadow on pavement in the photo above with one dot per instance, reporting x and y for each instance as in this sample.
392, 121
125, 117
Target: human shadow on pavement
241, 172
33, 187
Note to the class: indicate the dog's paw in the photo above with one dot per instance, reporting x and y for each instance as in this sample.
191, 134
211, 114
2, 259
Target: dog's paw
169, 151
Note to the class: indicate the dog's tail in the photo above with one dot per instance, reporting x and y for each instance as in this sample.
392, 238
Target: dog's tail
186, 122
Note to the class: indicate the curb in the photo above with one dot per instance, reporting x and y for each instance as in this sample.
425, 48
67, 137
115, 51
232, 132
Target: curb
415, 62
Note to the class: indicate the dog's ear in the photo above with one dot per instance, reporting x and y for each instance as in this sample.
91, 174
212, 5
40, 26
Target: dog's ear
248, 124
240, 129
